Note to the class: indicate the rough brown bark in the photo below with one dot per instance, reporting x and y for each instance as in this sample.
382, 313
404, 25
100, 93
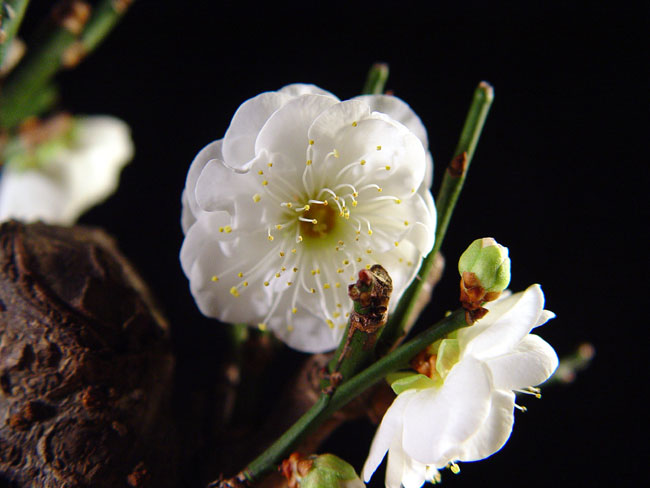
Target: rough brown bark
85, 366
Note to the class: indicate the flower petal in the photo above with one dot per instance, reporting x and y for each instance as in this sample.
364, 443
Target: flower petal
494, 432
297, 89
285, 132
190, 205
530, 363
30, 196
506, 324
239, 141
436, 422
389, 430
399, 110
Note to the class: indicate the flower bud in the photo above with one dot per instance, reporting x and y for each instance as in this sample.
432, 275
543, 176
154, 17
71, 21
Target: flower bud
489, 262
323, 471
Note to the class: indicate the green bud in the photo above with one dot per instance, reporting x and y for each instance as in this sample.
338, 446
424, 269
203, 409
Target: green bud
330, 471
489, 262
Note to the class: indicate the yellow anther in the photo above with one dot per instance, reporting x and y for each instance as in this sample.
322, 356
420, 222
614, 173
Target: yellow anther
289, 283
325, 204
314, 221
330, 323
294, 310
379, 189
378, 148
368, 266
278, 226
308, 163
240, 274
338, 305
270, 237
313, 272
234, 292
406, 222
337, 284
257, 197
261, 326
409, 263
289, 205
359, 260
313, 290
311, 142
299, 240
215, 278
220, 229
340, 243
454, 468
264, 183
307, 207
387, 168
245, 283
281, 254
396, 243
346, 262
294, 269
398, 201
369, 251
293, 251
260, 172
266, 283
354, 124
270, 165
326, 286
336, 315
369, 232
290, 328
354, 203
277, 275
340, 270
228, 229
336, 153
362, 162
283, 268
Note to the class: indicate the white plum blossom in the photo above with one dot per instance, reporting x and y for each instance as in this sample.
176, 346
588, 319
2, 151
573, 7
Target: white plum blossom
76, 176
303, 191
465, 411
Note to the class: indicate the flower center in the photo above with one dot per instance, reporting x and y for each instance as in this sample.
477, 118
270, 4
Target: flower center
318, 221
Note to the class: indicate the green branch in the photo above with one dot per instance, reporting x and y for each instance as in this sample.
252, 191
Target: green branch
452, 184
11, 15
376, 80
105, 17
74, 36
326, 406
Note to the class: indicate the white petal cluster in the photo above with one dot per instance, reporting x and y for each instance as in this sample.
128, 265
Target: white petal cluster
74, 179
466, 415
301, 193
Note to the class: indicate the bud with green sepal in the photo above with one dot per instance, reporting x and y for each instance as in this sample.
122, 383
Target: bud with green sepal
323, 471
484, 268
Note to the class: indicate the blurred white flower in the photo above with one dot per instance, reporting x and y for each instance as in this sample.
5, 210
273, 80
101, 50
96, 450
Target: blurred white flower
464, 411
302, 192
73, 176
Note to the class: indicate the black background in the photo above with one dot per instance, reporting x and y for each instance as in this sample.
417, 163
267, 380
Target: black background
558, 176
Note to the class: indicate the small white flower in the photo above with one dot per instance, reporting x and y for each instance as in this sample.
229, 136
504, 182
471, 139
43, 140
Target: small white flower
73, 179
465, 412
302, 192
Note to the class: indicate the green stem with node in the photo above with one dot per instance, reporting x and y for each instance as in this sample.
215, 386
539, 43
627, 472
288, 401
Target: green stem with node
376, 79
11, 15
450, 188
104, 18
63, 47
326, 405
